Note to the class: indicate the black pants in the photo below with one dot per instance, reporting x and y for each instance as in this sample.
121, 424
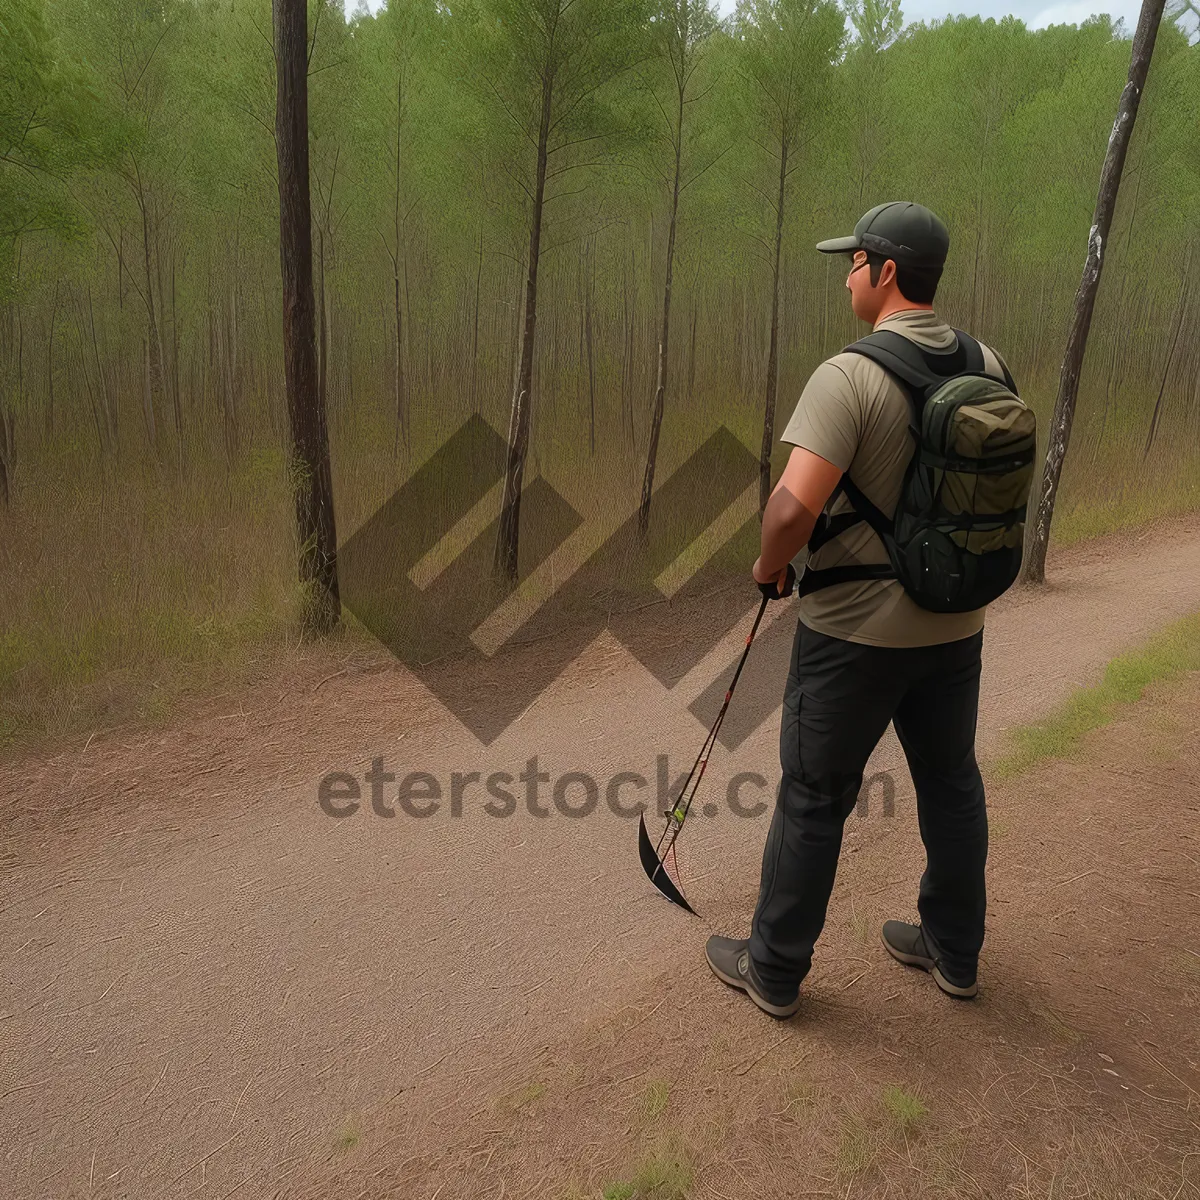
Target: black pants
838, 701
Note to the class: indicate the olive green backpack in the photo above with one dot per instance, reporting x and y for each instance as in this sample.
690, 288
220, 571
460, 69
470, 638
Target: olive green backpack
955, 540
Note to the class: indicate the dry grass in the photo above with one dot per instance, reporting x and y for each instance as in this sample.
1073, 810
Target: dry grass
119, 590
1120, 490
124, 586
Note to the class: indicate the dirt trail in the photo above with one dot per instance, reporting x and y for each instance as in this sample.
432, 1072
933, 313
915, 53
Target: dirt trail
208, 987
1075, 1073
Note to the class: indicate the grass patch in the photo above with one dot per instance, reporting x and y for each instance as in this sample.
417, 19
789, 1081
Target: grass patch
1169, 653
523, 1097
664, 1174
905, 1109
619, 1191
348, 1137
799, 1098
654, 1099
854, 1151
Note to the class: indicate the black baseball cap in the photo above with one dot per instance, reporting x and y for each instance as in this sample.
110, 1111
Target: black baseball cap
907, 233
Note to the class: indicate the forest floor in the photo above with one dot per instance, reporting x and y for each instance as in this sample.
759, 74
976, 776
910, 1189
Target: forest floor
210, 988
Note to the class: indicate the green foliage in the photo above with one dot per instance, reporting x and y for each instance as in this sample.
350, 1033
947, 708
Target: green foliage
905, 1110
788, 49
49, 130
543, 73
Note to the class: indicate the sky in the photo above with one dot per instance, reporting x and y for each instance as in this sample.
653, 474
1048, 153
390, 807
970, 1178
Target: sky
1036, 14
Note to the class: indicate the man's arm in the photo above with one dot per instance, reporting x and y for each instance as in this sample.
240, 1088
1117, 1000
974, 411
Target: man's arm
802, 492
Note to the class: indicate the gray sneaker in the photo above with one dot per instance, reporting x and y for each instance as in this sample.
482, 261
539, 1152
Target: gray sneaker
729, 959
906, 944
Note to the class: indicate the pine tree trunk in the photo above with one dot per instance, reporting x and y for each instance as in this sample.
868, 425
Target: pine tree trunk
6, 447
322, 329
231, 372
107, 403
50, 363
154, 342
475, 329
310, 470
1034, 570
398, 381
508, 532
1177, 323
148, 397
664, 337
768, 438
175, 398
591, 364
5, 451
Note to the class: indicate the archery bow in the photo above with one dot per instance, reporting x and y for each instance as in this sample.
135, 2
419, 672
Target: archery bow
654, 862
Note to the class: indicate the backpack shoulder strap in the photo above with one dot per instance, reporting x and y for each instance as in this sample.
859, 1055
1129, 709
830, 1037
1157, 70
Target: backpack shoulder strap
973, 351
919, 368
1009, 382
898, 356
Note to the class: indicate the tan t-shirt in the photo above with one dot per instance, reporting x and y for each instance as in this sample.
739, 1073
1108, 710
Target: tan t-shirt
856, 416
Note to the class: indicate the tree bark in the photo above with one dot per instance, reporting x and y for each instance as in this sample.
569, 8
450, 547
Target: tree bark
591, 361
107, 403
660, 388
322, 328
101, 436
1034, 569
232, 378
148, 397
50, 363
475, 328
176, 405
154, 341
692, 352
768, 439
310, 470
6, 440
5, 451
508, 532
1177, 323
398, 366
398, 379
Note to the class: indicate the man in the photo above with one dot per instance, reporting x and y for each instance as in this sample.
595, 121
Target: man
865, 654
